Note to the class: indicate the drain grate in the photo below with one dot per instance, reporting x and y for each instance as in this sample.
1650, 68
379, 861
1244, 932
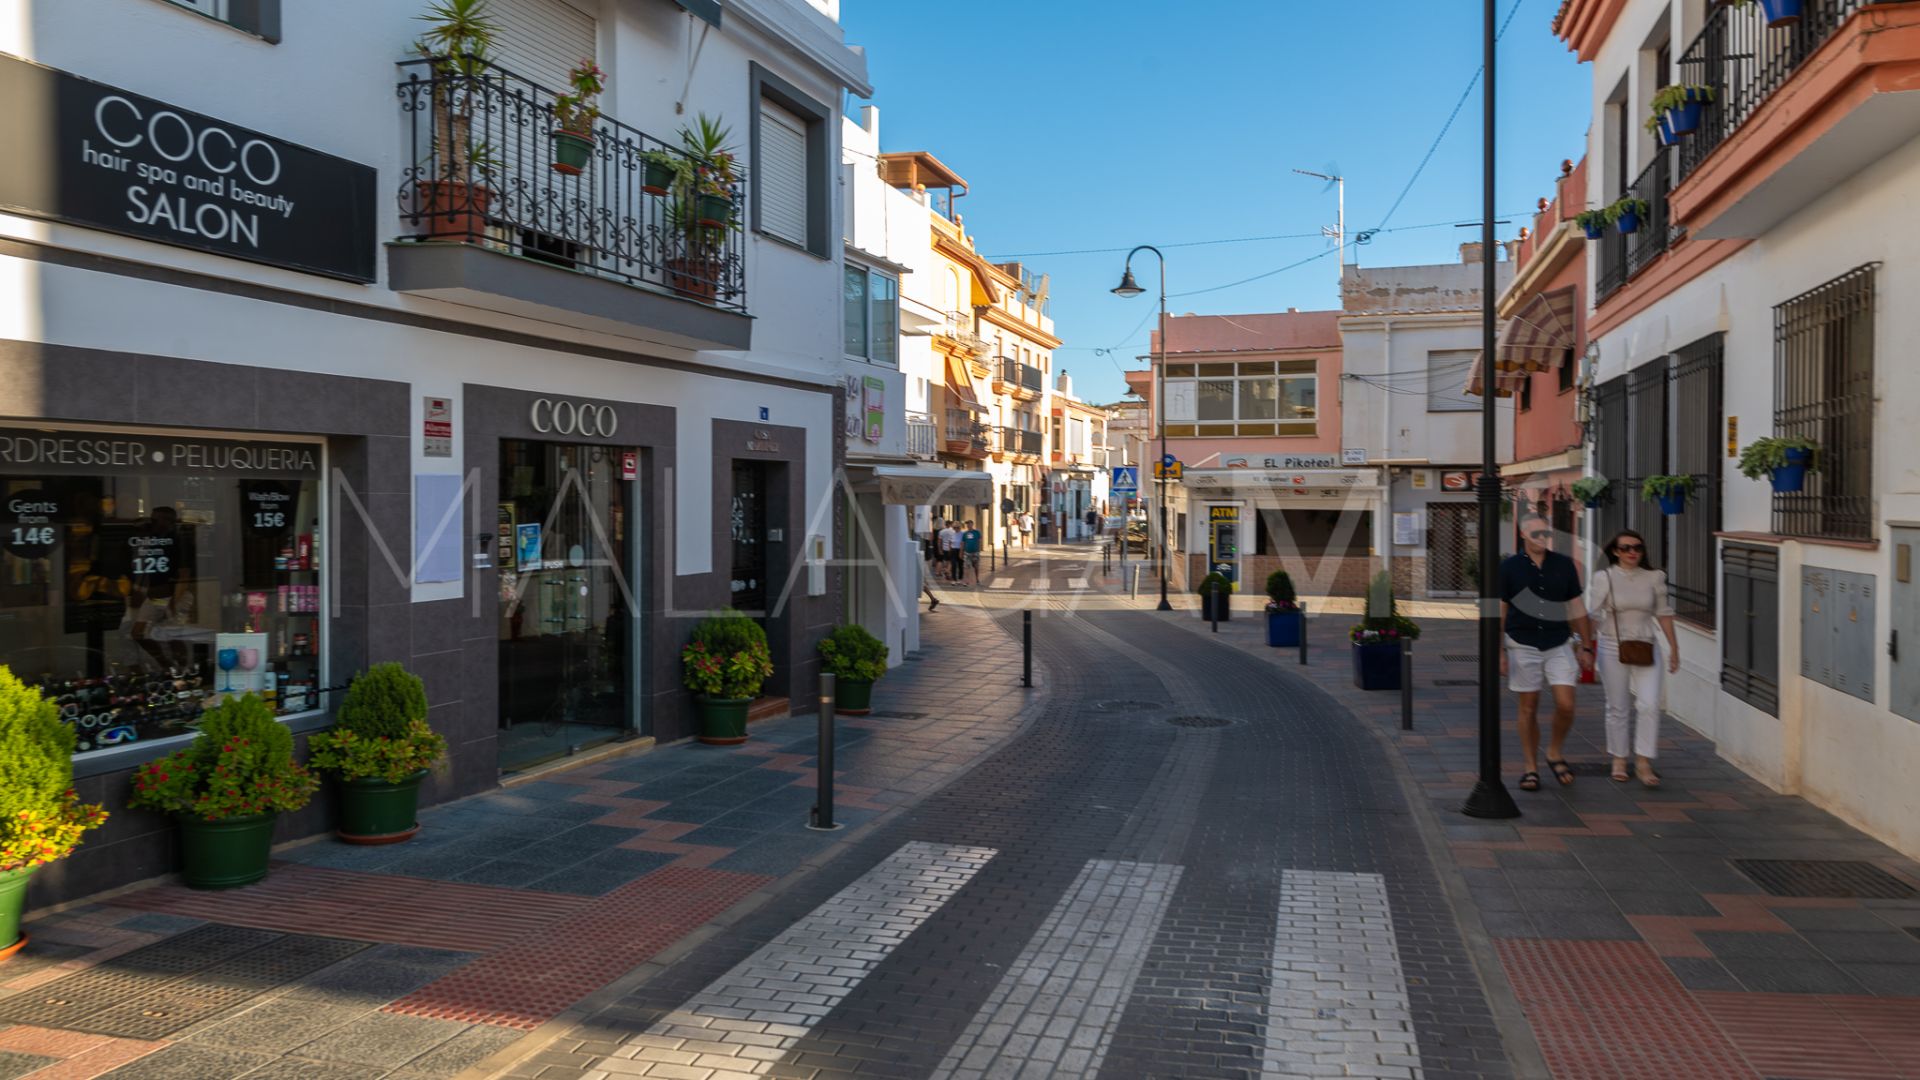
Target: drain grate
1456, 682
153, 992
1129, 706
1840, 879
1460, 657
878, 715
1198, 721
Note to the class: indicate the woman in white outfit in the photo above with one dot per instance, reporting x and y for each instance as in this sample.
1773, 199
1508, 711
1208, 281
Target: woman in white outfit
1628, 602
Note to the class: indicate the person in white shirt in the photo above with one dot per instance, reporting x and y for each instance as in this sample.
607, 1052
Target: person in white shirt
1628, 600
949, 546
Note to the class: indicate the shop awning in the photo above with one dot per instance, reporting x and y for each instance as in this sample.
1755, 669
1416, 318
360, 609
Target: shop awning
1536, 338
960, 383
925, 485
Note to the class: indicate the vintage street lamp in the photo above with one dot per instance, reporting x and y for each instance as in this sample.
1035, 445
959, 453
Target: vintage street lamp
1131, 288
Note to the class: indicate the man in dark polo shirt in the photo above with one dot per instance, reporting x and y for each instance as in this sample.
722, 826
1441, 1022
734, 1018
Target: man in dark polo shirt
1539, 609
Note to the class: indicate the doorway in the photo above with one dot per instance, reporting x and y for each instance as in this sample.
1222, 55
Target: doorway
1453, 548
568, 633
747, 531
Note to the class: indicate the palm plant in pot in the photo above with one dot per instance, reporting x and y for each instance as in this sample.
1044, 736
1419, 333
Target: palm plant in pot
725, 663
1671, 492
225, 789
1785, 461
855, 659
41, 818
1285, 613
1590, 490
379, 749
703, 210
574, 114
454, 194
1379, 638
1216, 597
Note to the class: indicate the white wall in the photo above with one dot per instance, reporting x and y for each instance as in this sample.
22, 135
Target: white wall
1385, 412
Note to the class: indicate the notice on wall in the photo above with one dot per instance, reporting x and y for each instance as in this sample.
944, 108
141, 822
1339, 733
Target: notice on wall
1406, 527
436, 528
527, 546
436, 427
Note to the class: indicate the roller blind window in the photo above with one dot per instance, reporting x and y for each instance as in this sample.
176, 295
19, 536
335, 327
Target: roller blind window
782, 172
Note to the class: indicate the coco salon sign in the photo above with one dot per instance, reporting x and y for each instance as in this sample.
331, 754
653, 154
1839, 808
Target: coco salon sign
79, 151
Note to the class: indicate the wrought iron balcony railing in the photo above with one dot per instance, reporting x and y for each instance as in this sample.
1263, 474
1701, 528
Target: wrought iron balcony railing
923, 436
1612, 269
1745, 62
964, 427
1021, 376
1017, 441
488, 170
1655, 233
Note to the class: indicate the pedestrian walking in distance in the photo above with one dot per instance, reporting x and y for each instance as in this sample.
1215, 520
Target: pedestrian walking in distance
1540, 607
1630, 605
970, 547
950, 552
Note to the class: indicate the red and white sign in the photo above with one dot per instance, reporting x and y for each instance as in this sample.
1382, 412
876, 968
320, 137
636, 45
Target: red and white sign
629, 465
1458, 481
436, 426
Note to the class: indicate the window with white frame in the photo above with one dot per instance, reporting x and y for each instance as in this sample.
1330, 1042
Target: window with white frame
1260, 397
870, 306
1447, 381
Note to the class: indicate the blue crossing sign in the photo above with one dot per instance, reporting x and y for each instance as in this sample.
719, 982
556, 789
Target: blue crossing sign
1126, 480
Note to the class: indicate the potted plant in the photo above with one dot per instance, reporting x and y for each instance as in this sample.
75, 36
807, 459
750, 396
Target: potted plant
855, 659
224, 790
1681, 106
455, 192
1627, 214
1777, 12
1592, 222
663, 171
724, 663
41, 818
1286, 616
1670, 492
703, 210
573, 117
1216, 597
379, 749
1379, 637
1787, 460
1590, 490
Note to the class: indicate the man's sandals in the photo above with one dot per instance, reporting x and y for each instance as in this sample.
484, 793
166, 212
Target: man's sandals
1530, 781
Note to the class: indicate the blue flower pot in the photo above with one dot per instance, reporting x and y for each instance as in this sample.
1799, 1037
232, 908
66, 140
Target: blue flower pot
1673, 503
1595, 232
1283, 627
1592, 504
1377, 666
1628, 222
1781, 12
1685, 120
1663, 132
1792, 476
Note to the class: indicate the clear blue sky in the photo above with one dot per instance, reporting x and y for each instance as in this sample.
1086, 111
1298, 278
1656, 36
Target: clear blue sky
1109, 123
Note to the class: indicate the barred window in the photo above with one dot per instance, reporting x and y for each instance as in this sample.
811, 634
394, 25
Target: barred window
1750, 637
1823, 391
1610, 454
1647, 453
1697, 426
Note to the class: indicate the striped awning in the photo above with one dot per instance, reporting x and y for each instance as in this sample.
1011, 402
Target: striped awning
1536, 338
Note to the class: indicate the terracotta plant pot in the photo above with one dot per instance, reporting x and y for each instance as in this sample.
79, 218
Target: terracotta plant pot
698, 278
454, 209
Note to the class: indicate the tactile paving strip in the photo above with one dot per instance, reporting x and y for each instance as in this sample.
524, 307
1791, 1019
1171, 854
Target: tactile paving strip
153, 992
1836, 879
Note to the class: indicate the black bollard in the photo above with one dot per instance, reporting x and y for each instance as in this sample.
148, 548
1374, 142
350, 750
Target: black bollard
1303, 636
1026, 648
1406, 686
1213, 604
823, 796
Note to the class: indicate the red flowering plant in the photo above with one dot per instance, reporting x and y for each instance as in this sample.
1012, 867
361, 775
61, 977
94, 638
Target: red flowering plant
727, 658
240, 765
576, 111
382, 731
41, 817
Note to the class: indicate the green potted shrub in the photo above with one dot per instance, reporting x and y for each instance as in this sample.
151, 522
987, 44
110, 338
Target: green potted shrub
1679, 108
1671, 492
724, 664
1379, 637
454, 190
573, 116
1785, 461
379, 750
1592, 222
1627, 214
855, 659
41, 818
1286, 615
1216, 597
1590, 490
225, 789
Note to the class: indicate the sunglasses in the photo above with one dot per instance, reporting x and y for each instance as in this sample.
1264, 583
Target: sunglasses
1543, 534
1626, 548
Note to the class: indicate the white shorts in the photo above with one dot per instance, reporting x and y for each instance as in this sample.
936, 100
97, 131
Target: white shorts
1528, 668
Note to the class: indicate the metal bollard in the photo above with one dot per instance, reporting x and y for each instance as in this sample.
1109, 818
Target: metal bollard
1406, 686
1136, 581
993, 556
823, 797
1213, 605
1303, 637
1026, 648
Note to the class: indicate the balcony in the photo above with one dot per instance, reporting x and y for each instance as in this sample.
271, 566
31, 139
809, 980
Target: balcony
1018, 443
491, 218
966, 435
1796, 110
1023, 381
923, 437
1624, 255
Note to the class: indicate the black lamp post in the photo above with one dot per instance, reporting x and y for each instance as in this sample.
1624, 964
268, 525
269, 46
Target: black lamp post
1489, 798
1130, 288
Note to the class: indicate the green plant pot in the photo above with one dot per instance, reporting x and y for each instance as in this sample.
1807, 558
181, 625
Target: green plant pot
373, 811
657, 179
13, 901
713, 210
853, 696
571, 152
225, 854
723, 721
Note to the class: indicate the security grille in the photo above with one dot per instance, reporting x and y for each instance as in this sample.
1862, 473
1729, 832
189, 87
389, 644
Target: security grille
1453, 548
1750, 634
1647, 412
1692, 567
1610, 453
1823, 391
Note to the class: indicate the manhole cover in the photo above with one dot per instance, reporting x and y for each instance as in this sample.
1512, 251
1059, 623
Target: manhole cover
1198, 721
1129, 706
1842, 880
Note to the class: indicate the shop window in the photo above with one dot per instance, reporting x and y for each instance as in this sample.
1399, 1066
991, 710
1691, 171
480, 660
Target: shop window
1313, 533
261, 18
145, 577
1823, 391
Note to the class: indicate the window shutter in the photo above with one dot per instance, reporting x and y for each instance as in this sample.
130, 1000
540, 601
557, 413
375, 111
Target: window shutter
782, 173
542, 40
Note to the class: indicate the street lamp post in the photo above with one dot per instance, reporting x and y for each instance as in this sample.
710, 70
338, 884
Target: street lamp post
1489, 798
1130, 288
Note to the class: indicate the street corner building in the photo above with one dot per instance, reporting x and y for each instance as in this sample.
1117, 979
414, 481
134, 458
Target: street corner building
316, 353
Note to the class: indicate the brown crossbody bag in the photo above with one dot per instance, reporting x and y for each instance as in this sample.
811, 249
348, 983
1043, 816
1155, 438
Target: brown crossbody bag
1632, 653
